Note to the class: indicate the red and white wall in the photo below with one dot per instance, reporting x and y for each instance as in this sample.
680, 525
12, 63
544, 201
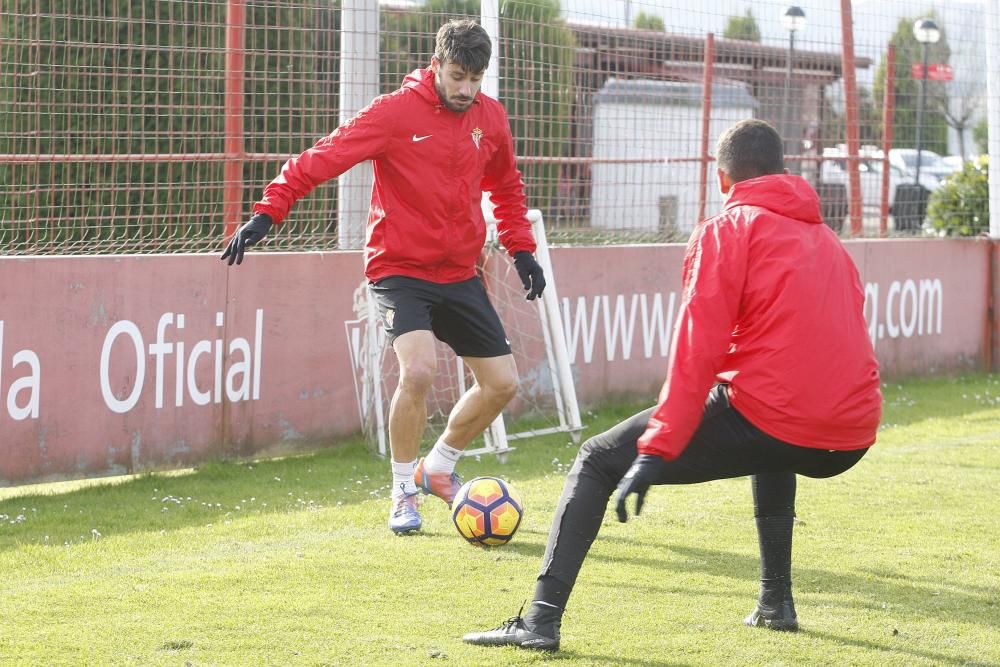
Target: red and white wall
117, 364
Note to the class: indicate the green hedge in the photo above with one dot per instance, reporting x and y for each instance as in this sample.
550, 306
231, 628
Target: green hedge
961, 205
148, 76
145, 77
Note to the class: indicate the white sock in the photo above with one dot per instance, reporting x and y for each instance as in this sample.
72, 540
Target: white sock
402, 478
442, 458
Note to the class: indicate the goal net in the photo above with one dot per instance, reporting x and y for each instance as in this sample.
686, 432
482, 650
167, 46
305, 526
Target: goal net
546, 398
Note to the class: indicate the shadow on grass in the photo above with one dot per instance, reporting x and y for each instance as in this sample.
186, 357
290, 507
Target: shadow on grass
350, 475
600, 659
533, 549
215, 491
890, 647
219, 491
909, 597
909, 579
211, 493
886, 649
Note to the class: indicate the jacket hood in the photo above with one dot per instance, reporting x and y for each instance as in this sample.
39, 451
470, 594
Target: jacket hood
785, 194
422, 82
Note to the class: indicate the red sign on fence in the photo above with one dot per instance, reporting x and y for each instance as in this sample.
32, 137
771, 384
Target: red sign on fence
935, 72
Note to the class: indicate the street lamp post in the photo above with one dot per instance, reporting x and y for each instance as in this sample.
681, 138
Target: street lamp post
927, 33
793, 19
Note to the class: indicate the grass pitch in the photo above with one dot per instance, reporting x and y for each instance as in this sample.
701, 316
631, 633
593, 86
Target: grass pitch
289, 562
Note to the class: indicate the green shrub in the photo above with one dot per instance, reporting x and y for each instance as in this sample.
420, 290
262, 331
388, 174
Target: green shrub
961, 206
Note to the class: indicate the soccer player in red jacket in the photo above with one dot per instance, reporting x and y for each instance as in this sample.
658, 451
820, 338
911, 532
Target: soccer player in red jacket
771, 330
436, 145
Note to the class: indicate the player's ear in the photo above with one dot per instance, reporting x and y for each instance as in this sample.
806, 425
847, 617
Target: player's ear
435, 64
725, 183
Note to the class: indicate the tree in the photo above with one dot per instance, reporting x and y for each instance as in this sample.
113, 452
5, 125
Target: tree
538, 89
965, 92
646, 21
980, 134
742, 27
958, 109
833, 126
934, 132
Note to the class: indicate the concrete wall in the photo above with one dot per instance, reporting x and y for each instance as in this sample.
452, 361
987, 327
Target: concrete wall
118, 364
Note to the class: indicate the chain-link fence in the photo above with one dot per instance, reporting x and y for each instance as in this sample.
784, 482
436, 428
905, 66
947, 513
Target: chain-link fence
142, 125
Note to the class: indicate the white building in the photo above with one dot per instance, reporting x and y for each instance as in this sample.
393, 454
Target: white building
638, 124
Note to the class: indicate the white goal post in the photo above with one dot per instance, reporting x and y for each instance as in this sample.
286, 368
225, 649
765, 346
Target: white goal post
545, 402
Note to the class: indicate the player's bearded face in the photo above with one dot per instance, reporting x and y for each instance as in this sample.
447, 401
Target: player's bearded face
456, 86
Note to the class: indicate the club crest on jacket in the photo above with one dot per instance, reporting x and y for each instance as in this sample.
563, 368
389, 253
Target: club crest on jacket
477, 135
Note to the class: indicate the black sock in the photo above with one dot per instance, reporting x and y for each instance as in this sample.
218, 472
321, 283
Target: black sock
774, 534
774, 511
554, 592
545, 612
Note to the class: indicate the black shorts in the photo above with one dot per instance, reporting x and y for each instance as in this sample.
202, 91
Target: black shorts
459, 314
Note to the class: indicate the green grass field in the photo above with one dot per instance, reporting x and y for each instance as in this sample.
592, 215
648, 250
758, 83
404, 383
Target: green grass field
289, 562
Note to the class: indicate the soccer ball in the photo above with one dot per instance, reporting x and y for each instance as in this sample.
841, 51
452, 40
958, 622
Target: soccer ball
487, 511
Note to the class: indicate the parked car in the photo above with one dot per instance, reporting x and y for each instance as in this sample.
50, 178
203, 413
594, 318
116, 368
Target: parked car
834, 170
905, 159
953, 162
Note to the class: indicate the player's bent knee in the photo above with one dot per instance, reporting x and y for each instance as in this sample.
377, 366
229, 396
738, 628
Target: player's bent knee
589, 454
416, 378
506, 390
593, 463
609, 464
501, 389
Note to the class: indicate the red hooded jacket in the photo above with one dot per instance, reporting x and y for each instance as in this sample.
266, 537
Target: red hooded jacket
431, 167
772, 305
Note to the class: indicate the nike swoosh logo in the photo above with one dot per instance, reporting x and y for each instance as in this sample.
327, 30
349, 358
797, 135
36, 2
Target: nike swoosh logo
416, 138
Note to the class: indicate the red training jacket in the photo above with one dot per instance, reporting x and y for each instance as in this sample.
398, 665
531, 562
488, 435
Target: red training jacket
431, 167
772, 305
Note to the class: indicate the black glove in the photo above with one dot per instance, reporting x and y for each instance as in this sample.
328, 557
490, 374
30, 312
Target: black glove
646, 469
247, 235
531, 274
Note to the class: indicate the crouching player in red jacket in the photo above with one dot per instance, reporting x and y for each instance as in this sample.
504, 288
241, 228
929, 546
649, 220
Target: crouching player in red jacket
771, 330
435, 144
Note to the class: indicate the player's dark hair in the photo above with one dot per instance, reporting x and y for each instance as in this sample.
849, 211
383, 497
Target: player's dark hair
749, 149
464, 43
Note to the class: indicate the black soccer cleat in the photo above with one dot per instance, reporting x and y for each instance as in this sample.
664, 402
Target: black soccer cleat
514, 633
780, 617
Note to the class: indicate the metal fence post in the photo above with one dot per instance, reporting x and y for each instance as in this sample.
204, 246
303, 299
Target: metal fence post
232, 191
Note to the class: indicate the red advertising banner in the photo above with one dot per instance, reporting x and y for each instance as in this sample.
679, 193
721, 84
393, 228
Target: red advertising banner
118, 364
935, 71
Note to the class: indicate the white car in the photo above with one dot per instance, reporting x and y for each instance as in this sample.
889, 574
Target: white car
905, 159
954, 162
834, 170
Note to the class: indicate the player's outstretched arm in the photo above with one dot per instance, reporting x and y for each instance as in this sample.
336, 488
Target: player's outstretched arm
245, 236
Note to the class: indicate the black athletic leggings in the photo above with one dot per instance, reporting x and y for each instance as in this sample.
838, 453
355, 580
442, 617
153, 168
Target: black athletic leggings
724, 445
